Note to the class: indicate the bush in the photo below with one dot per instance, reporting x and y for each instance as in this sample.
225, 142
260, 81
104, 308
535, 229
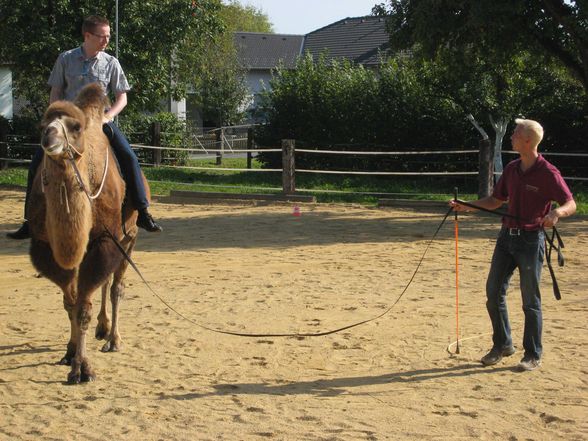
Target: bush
137, 127
341, 106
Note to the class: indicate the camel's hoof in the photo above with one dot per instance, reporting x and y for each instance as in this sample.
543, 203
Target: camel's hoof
80, 378
102, 330
80, 373
74, 378
88, 377
109, 346
65, 361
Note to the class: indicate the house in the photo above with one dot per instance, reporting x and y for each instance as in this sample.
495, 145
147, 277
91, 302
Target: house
360, 40
259, 53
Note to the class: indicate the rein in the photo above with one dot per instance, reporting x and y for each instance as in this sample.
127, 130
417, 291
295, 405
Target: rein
548, 241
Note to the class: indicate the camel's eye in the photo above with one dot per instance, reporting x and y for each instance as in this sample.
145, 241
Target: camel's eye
77, 127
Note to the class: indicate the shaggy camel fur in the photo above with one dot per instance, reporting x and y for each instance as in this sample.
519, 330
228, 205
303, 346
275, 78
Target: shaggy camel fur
69, 244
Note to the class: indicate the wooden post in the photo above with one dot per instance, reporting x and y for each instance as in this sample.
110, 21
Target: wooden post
288, 166
249, 146
220, 140
3, 145
486, 169
156, 142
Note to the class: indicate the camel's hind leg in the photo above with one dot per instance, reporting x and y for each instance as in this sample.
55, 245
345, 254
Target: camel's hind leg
103, 326
114, 341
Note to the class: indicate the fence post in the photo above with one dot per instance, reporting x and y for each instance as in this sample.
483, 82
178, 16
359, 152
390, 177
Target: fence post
486, 169
156, 142
249, 146
288, 166
3, 145
220, 135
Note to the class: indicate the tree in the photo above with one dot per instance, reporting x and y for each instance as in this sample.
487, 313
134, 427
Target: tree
556, 28
219, 82
239, 18
488, 88
491, 68
149, 32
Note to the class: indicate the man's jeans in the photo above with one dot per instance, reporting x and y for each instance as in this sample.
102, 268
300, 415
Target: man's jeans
523, 250
127, 160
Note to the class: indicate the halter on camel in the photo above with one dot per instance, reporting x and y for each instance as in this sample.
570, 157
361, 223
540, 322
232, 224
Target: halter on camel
70, 149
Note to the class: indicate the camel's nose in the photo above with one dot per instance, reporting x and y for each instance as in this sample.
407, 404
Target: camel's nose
50, 130
51, 142
49, 135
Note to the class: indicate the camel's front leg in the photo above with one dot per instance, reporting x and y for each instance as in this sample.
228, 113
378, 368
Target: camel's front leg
101, 259
67, 280
71, 344
81, 371
103, 326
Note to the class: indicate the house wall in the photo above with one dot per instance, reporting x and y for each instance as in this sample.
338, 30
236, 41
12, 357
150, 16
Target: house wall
257, 80
6, 102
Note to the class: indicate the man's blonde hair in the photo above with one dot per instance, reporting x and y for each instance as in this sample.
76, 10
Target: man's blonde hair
532, 129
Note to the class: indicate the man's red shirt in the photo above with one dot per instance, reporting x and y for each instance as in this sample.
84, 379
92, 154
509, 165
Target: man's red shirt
530, 193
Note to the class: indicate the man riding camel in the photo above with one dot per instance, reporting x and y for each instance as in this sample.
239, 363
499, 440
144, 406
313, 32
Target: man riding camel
72, 71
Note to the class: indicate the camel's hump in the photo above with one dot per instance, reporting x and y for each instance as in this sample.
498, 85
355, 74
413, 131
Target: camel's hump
91, 95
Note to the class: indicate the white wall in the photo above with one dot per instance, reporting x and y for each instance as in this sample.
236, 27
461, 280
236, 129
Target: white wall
256, 81
6, 109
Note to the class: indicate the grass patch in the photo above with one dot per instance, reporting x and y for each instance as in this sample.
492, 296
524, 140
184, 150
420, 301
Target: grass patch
326, 188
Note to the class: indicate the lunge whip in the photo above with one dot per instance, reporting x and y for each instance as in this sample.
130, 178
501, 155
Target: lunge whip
456, 277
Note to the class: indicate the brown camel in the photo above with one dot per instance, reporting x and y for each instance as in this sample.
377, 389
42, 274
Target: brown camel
68, 221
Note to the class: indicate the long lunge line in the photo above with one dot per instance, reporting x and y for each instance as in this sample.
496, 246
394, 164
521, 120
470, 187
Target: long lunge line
299, 334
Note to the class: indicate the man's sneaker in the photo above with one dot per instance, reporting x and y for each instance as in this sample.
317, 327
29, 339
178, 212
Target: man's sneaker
496, 354
529, 364
145, 221
22, 233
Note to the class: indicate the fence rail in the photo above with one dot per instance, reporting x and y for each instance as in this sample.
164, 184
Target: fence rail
219, 142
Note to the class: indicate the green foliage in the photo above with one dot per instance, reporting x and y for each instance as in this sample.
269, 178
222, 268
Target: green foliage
138, 126
497, 29
341, 106
220, 88
245, 18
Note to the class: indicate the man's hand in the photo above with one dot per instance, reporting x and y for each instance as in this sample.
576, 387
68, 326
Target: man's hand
551, 219
457, 206
553, 216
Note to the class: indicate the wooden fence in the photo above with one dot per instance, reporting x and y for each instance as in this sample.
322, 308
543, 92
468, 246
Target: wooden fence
153, 155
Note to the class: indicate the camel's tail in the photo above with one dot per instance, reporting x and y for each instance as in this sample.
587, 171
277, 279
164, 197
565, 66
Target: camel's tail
92, 100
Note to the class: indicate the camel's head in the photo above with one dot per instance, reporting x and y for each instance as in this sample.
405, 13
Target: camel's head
62, 130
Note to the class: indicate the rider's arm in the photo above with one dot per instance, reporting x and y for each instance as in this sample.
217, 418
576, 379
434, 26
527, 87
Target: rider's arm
55, 94
117, 107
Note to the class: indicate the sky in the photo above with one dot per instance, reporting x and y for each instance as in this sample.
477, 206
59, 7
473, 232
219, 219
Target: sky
304, 16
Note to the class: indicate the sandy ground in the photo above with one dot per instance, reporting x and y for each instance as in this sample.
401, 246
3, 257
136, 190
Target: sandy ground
259, 269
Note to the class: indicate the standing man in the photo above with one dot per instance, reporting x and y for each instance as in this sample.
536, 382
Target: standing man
72, 71
529, 185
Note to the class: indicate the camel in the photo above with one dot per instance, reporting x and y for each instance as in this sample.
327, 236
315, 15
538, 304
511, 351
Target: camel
69, 241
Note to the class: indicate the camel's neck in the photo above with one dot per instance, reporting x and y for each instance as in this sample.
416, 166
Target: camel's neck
68, 212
